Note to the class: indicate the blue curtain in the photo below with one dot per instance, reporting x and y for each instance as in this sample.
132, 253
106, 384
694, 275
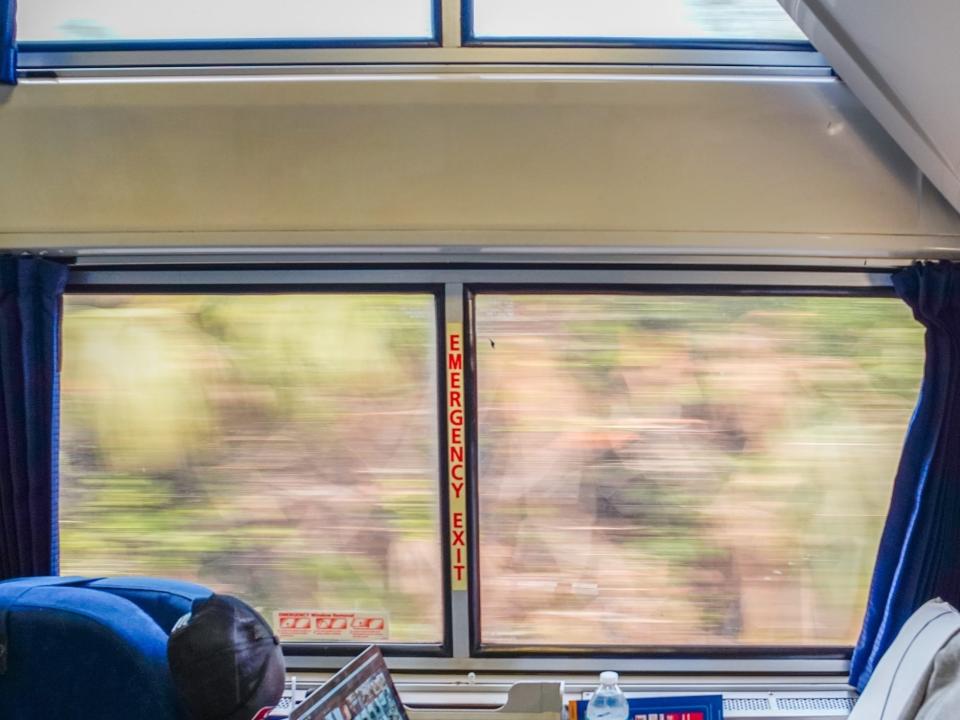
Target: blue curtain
919, 555
8, 42
30, 303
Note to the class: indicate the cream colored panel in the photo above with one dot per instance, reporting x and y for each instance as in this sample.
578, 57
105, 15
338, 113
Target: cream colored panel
660, 156
902, 59
525, 701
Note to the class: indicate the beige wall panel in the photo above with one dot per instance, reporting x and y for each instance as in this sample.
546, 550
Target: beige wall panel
650, 156
901, 59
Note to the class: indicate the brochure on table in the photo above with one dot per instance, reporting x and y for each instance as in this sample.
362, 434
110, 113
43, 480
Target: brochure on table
683, 707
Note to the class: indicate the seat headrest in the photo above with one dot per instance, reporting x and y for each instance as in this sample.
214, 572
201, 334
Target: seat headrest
898, 685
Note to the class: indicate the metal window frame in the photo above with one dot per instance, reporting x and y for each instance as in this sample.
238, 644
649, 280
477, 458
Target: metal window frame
220, 45
479, 648
451, 47
454, 284
35, 61
361, 271
470, 37
222, 286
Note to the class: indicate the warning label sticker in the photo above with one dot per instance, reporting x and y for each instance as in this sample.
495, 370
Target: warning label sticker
455, 460
331, 626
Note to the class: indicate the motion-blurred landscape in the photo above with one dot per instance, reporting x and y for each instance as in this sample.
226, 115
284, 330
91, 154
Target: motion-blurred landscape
687, 470
281, 448
652, 469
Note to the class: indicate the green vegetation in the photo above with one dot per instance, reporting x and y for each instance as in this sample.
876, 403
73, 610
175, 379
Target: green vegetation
279, 447
712, 469
653, 469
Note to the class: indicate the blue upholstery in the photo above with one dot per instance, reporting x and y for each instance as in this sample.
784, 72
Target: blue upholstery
93, 649
166, 601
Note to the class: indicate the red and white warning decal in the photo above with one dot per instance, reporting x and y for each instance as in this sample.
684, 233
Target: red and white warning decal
331, 626
455, 459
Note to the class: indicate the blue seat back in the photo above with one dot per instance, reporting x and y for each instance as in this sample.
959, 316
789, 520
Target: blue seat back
92, 649
166, 601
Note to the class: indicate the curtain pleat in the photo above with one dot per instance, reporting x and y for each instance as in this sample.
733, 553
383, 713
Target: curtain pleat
919, 555
8, 42
30, 300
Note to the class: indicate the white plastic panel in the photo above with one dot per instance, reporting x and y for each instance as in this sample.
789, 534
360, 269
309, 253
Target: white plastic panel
902, 60
733, 164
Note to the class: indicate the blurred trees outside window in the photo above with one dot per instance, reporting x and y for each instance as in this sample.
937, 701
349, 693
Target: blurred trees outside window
653, 469
665, 470
283, 448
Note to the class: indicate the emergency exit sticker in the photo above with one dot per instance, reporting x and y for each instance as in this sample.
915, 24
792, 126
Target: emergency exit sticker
331, 626
456, 466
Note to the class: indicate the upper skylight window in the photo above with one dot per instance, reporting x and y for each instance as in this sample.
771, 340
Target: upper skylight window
291, 22
632, 21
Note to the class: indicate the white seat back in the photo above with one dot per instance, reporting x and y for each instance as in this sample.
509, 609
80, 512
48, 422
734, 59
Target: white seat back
898, 685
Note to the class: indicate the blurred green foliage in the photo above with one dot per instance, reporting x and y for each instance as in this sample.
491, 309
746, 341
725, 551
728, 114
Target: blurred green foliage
740, 448
285, 448
282, 447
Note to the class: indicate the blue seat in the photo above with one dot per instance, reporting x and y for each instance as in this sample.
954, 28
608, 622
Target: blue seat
89, 648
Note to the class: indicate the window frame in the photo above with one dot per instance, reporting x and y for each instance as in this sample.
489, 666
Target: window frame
455, 284
311, 649
518, 650
226, 44
472, 39
452, 47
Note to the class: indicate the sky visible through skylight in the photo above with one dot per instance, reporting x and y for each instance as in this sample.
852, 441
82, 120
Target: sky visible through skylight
695, 19
120, 20
113, 20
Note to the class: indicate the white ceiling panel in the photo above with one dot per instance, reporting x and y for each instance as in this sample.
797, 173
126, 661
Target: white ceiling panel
902, 60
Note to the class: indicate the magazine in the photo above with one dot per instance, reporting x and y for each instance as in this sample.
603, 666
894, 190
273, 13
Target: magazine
681, 707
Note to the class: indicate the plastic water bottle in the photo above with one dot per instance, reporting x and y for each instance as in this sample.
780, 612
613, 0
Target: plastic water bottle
608, 702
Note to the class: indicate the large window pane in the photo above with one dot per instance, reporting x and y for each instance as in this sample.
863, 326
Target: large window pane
126, 20
283, 448
686, 470
634, 19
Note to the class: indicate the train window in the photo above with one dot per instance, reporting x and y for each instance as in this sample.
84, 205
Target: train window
603, 21
281, 447
666, 470
240, 33
112, 21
